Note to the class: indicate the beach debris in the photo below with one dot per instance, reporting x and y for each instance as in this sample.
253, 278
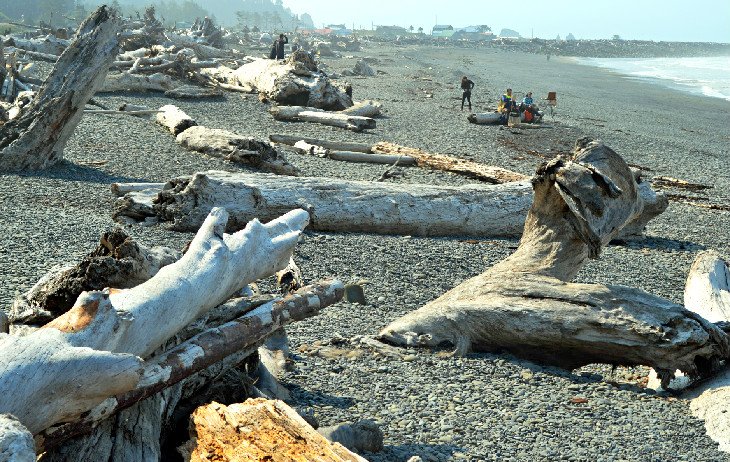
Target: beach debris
336, 119
367, 108
303, 147
222, 143
134, 322
295, 81
291, 140
474, 210
363, 69
580, 204
256, 430
669, 182
35, 139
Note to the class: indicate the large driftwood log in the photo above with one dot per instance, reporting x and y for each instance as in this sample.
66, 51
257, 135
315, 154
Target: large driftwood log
138, 83
235, 148
296, 81
339, 205
59, 372
526, 305
118, 261
258, 430
36, 138
303, 147
334, 119
16, 442
174, 119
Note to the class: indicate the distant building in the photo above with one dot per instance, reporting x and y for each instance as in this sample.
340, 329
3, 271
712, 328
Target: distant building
570, 37
442, 30
336, 26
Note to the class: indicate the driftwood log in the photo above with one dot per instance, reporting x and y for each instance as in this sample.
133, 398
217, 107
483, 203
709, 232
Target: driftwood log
482, 172
258, 430
527, 305
93, 352
36, 138
707, 293
334, 119
339, 205
303, 147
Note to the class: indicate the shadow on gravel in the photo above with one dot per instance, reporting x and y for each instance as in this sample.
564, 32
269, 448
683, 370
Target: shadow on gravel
660, 243
310, 398
68, 171
427, 452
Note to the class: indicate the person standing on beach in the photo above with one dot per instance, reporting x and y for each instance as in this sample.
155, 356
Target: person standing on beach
466, 87
283, 40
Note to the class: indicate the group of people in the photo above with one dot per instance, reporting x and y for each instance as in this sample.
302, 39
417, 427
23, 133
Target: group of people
277, 48
527, 109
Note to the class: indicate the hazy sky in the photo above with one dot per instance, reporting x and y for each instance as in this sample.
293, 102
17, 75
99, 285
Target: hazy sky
671, 20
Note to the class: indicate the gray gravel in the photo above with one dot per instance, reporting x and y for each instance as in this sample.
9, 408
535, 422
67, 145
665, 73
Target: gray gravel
482, 407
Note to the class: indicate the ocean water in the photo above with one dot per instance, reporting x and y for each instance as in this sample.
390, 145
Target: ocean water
705, 76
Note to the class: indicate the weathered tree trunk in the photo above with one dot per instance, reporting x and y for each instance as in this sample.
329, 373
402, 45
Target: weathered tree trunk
469, 168
36, 138
367, 108
526, 305
339, 205
258, 430
334, 119
60, 371
235, 148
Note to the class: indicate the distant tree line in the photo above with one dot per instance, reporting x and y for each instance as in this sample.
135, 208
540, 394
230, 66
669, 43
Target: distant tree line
52, 12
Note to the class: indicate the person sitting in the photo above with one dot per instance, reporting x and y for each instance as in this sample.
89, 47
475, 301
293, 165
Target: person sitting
527, 100
506, 103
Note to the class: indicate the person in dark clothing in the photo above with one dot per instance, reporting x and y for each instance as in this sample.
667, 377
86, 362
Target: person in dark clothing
466, 87
283, 40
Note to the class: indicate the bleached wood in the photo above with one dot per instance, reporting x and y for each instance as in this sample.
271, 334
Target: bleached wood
367, 108
240, 336
335, 119
235, 148
526, 305
61, 369
707, 291
36, 138
174, 119
476, 210
303, 147
258, 430
332, 145
49, 45
469, 168
138, 83
120, 189
16, 442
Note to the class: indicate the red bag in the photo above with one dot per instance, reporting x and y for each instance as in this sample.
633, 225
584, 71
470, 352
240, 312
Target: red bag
528, 116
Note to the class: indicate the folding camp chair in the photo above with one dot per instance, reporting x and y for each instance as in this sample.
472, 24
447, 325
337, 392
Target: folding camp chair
552, 102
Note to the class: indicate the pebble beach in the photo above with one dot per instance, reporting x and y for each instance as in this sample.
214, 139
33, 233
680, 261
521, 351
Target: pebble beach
482, 407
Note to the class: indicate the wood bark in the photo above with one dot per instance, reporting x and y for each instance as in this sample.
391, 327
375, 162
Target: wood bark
334, 119
235, 148
36, 138
468, 168
59, 372
258, 430
339, 205
527, 305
